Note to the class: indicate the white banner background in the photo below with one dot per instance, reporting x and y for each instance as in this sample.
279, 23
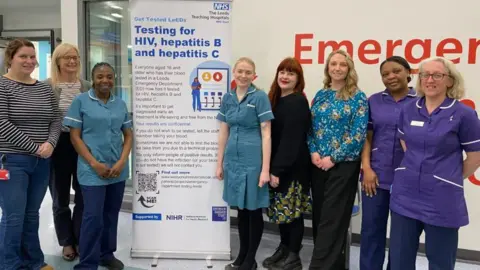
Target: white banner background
178, 211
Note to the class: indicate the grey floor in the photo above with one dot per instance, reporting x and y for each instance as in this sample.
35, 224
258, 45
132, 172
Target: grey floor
269, 242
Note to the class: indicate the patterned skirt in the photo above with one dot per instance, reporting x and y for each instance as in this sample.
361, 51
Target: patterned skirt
285, 207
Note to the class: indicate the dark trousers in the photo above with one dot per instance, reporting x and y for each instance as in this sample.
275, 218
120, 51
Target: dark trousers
440, 244
99, 225
375, 212
20, 200
333, 194
64, 174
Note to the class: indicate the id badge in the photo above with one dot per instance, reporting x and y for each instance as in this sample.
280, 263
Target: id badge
4, 175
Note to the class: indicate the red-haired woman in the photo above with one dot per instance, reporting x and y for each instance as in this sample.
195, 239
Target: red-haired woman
290, 163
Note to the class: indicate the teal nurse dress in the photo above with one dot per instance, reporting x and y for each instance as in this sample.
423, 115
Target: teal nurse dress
242, 163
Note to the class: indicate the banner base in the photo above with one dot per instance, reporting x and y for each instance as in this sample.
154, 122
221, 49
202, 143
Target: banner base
153, 254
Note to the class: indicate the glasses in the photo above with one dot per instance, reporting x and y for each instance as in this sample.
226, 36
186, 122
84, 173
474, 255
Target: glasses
69, 58
435, 76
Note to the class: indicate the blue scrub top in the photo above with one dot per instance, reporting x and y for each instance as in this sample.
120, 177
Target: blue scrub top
242, 162
428, 184
102, 128
387, 152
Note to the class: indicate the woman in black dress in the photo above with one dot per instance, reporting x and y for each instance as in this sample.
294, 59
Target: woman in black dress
290, 163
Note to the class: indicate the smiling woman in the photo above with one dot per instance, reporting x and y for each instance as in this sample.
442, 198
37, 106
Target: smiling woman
102, 136
29, 130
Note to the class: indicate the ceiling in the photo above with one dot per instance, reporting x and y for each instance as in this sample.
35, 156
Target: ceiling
28, 3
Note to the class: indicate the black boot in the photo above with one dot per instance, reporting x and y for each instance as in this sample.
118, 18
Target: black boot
280, 254
292, 262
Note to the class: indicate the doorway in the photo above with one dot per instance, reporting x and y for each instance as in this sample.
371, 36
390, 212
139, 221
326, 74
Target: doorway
44, 42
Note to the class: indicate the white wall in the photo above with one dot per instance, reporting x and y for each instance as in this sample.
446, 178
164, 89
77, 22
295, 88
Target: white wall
265, 31
21, 18
69, 21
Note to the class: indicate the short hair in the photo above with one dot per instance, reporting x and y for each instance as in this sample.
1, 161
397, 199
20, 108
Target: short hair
457, 91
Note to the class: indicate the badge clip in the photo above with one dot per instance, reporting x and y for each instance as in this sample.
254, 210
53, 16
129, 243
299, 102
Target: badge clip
4, 174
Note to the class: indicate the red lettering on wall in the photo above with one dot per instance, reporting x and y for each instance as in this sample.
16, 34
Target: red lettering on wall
391, 45
363, 51
370, 51
441, 50
322, 45
299, 48
473, 44
426, 48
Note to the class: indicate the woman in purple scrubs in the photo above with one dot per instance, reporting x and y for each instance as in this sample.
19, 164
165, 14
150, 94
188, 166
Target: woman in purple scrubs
382, 153
428, 192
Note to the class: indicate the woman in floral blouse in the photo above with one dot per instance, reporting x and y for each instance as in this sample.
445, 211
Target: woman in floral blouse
339, 127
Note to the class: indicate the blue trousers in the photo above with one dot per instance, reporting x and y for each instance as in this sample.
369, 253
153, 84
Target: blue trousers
196, 104
375, 212
440, 244
98, 239
20, 200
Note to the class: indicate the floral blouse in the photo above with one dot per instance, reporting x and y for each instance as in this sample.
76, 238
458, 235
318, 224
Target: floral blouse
339, 127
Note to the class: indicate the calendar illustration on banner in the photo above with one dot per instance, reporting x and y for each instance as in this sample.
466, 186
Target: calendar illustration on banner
214, 84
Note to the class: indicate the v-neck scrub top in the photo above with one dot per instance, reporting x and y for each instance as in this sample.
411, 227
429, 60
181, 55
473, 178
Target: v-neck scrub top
102, 126
428, 184
242, 163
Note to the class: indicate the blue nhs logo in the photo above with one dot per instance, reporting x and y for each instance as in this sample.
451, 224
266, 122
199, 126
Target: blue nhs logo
221, 6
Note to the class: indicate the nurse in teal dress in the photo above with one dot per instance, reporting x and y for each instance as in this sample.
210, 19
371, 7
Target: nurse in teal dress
244, 158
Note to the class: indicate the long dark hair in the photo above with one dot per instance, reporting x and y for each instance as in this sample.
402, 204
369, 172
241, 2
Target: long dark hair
289, 64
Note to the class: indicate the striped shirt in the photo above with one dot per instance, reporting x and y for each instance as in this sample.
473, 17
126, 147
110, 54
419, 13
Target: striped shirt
29, 116
68, 93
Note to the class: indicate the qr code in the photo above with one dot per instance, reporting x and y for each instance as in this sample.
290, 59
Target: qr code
147, 182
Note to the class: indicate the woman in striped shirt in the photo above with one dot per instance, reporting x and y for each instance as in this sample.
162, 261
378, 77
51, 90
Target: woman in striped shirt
66, 83
29, 129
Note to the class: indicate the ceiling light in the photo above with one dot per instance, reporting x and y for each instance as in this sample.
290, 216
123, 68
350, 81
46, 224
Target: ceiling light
116, 15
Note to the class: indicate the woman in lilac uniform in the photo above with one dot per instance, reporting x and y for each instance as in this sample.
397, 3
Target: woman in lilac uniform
428, 192
382, 153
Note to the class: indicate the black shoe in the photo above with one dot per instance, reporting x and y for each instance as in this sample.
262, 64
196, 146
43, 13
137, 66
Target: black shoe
292, 262
280, 254
244, 266
113, 264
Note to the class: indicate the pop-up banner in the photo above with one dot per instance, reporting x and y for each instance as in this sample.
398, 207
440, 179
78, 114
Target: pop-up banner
181, 55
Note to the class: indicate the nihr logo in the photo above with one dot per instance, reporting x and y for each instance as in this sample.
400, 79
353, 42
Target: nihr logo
174, 217
221, 6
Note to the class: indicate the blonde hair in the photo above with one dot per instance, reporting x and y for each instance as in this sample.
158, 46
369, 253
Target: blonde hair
248, 61
457, 91
351, 80
59, 52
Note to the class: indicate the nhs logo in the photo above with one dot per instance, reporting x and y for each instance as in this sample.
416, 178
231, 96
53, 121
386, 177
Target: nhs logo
221, 6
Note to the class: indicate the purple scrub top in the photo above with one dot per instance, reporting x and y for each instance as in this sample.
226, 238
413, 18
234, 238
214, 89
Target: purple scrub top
428, 184
387, 152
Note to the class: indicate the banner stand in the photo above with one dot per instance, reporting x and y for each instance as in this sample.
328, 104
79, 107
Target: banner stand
181, 55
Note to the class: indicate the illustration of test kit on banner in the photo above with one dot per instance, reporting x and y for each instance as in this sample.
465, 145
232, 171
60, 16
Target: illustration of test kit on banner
208, 88
181, 55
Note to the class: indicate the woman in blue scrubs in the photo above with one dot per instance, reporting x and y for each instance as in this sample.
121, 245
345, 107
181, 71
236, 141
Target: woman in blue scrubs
244, 148
382, 153
100, 130
428, 187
